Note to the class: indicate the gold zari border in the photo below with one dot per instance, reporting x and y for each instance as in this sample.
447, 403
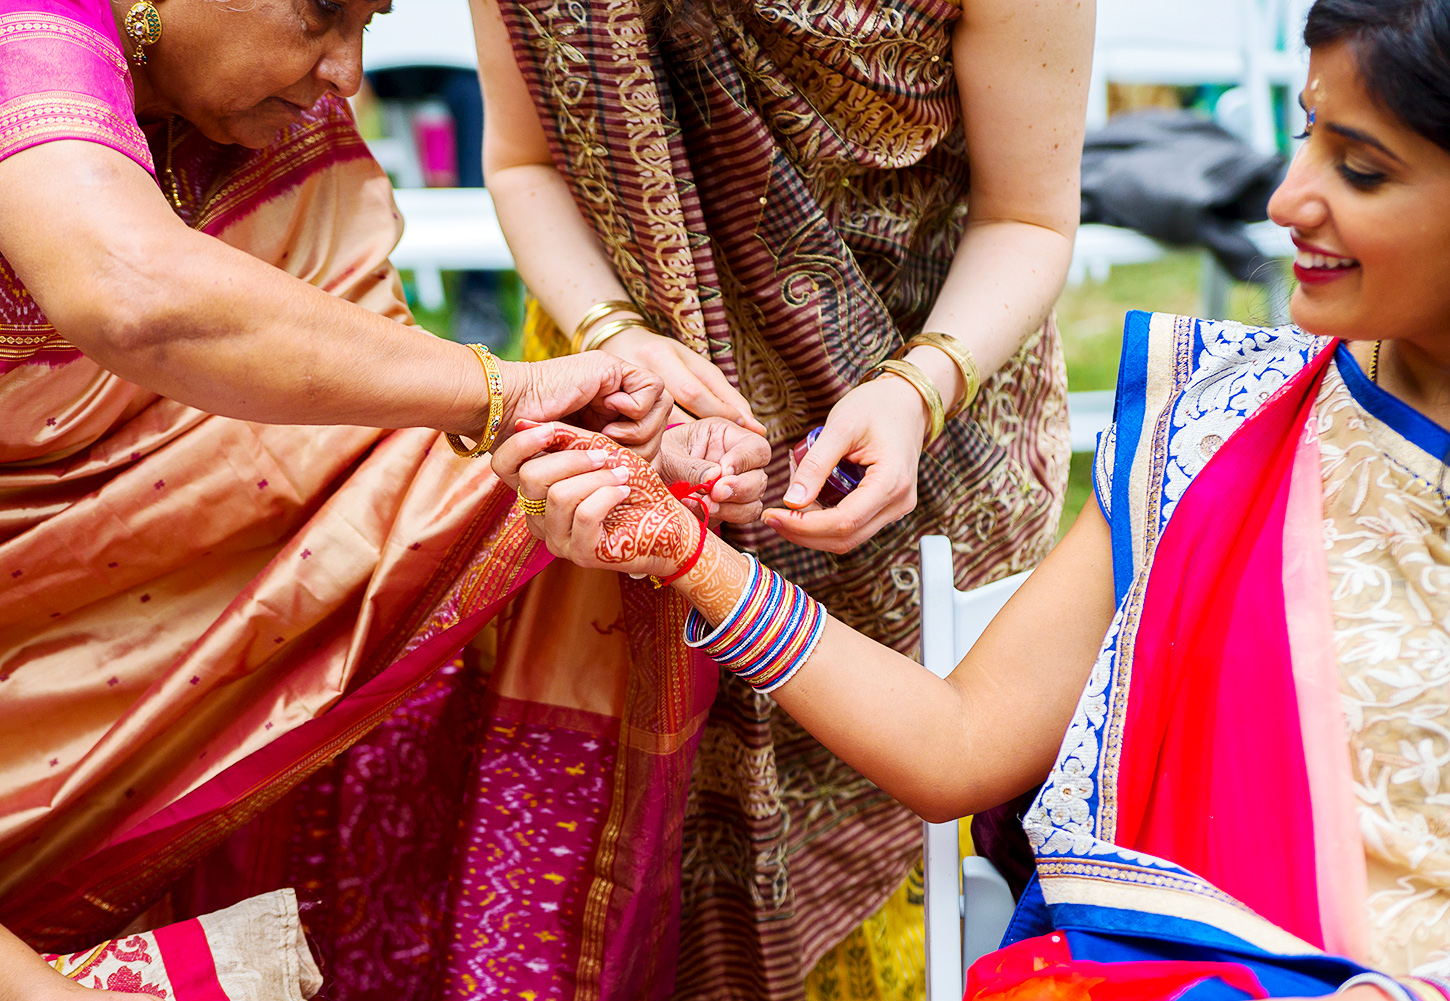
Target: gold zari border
24, 27
51, 115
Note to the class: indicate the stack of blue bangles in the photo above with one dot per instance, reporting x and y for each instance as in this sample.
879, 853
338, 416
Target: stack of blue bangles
767, 636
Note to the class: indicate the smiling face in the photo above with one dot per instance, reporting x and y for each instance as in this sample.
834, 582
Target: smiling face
1368, 203
242, 70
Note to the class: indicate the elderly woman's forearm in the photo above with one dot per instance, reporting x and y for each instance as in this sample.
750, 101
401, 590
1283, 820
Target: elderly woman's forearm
26, 976
213, 327
187, 316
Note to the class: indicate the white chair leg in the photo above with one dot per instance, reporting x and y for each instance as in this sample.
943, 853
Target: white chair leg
1215, 286
429, 283
943, 913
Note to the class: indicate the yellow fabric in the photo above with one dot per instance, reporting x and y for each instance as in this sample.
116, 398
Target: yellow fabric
542, 339
885, 958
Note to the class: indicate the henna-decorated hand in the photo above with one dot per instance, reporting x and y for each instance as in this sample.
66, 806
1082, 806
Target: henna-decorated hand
716, 449
606, 507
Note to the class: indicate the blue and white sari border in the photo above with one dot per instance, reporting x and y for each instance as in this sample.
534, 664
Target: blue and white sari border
1184, 386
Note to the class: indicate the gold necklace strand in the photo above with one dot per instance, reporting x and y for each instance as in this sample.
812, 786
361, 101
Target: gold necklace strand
173, 192
1374, 362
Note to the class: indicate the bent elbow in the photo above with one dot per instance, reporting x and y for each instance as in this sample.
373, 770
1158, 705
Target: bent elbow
935, 812
128, 308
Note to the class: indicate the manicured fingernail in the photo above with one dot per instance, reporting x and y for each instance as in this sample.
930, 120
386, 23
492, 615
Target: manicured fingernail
624, 491
620, 473
795, 494
598, 456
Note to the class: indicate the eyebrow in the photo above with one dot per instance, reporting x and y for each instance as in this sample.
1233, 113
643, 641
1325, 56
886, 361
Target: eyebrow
1355, 135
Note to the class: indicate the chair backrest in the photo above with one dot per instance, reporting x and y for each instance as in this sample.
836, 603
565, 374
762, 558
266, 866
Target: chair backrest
1248, 44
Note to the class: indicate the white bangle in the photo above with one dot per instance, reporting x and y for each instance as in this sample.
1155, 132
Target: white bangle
1396, 990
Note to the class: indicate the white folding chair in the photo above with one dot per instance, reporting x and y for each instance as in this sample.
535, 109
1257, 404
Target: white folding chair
967, 922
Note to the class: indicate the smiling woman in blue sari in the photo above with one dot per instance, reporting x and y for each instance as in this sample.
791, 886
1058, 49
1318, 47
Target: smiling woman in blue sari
1231, 676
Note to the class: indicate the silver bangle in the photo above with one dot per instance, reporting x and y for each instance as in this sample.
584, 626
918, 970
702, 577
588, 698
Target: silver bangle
1396, 990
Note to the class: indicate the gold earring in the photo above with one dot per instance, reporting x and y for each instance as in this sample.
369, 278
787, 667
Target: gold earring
143, 26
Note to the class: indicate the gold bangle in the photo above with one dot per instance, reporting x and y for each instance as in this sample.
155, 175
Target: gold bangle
594, 314
495, 407
929, 393
605, 331
961, 355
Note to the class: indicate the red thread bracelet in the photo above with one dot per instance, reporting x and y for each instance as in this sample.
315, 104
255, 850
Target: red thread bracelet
689, 564
683, 491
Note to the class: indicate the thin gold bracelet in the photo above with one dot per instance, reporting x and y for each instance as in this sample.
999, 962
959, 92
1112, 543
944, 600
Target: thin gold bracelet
495, 407
594, 314
605, 331
961, 355
929, 393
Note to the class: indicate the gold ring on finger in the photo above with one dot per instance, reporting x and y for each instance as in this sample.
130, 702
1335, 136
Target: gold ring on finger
532, 506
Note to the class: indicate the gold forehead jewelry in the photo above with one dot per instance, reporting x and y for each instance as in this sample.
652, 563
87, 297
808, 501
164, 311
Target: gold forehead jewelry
143, 27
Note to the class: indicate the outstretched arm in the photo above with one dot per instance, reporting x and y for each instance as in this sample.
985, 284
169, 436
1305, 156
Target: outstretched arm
183, 314
944, 747
27, 977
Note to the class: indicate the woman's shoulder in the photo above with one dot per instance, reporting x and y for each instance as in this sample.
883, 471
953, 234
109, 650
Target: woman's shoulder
1180, 372
66, 78
1184, 385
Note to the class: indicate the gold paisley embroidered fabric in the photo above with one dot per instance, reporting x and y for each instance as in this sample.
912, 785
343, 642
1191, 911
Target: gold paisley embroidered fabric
1387, 539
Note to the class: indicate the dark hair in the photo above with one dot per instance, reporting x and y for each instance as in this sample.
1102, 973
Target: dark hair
1403, 51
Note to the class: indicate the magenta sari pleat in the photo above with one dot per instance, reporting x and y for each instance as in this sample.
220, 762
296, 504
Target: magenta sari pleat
1212, 768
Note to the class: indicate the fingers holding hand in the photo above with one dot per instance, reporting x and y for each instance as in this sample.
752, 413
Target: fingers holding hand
545, 470
642, 431
694, 381
719, 398
531, 439
737, 499
574, 511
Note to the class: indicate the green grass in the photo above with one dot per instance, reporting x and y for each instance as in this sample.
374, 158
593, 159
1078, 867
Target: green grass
440, 321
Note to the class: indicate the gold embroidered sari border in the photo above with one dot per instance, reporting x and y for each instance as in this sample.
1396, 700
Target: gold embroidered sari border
46, 116
29, 25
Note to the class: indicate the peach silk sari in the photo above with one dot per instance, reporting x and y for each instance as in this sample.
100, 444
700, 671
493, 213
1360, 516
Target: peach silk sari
198, 613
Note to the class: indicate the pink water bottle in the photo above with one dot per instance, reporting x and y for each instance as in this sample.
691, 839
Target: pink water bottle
434, 134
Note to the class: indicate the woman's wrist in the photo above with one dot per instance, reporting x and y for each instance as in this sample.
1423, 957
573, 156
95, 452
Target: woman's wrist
939, 367
716, 581
517, 378
913, 403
